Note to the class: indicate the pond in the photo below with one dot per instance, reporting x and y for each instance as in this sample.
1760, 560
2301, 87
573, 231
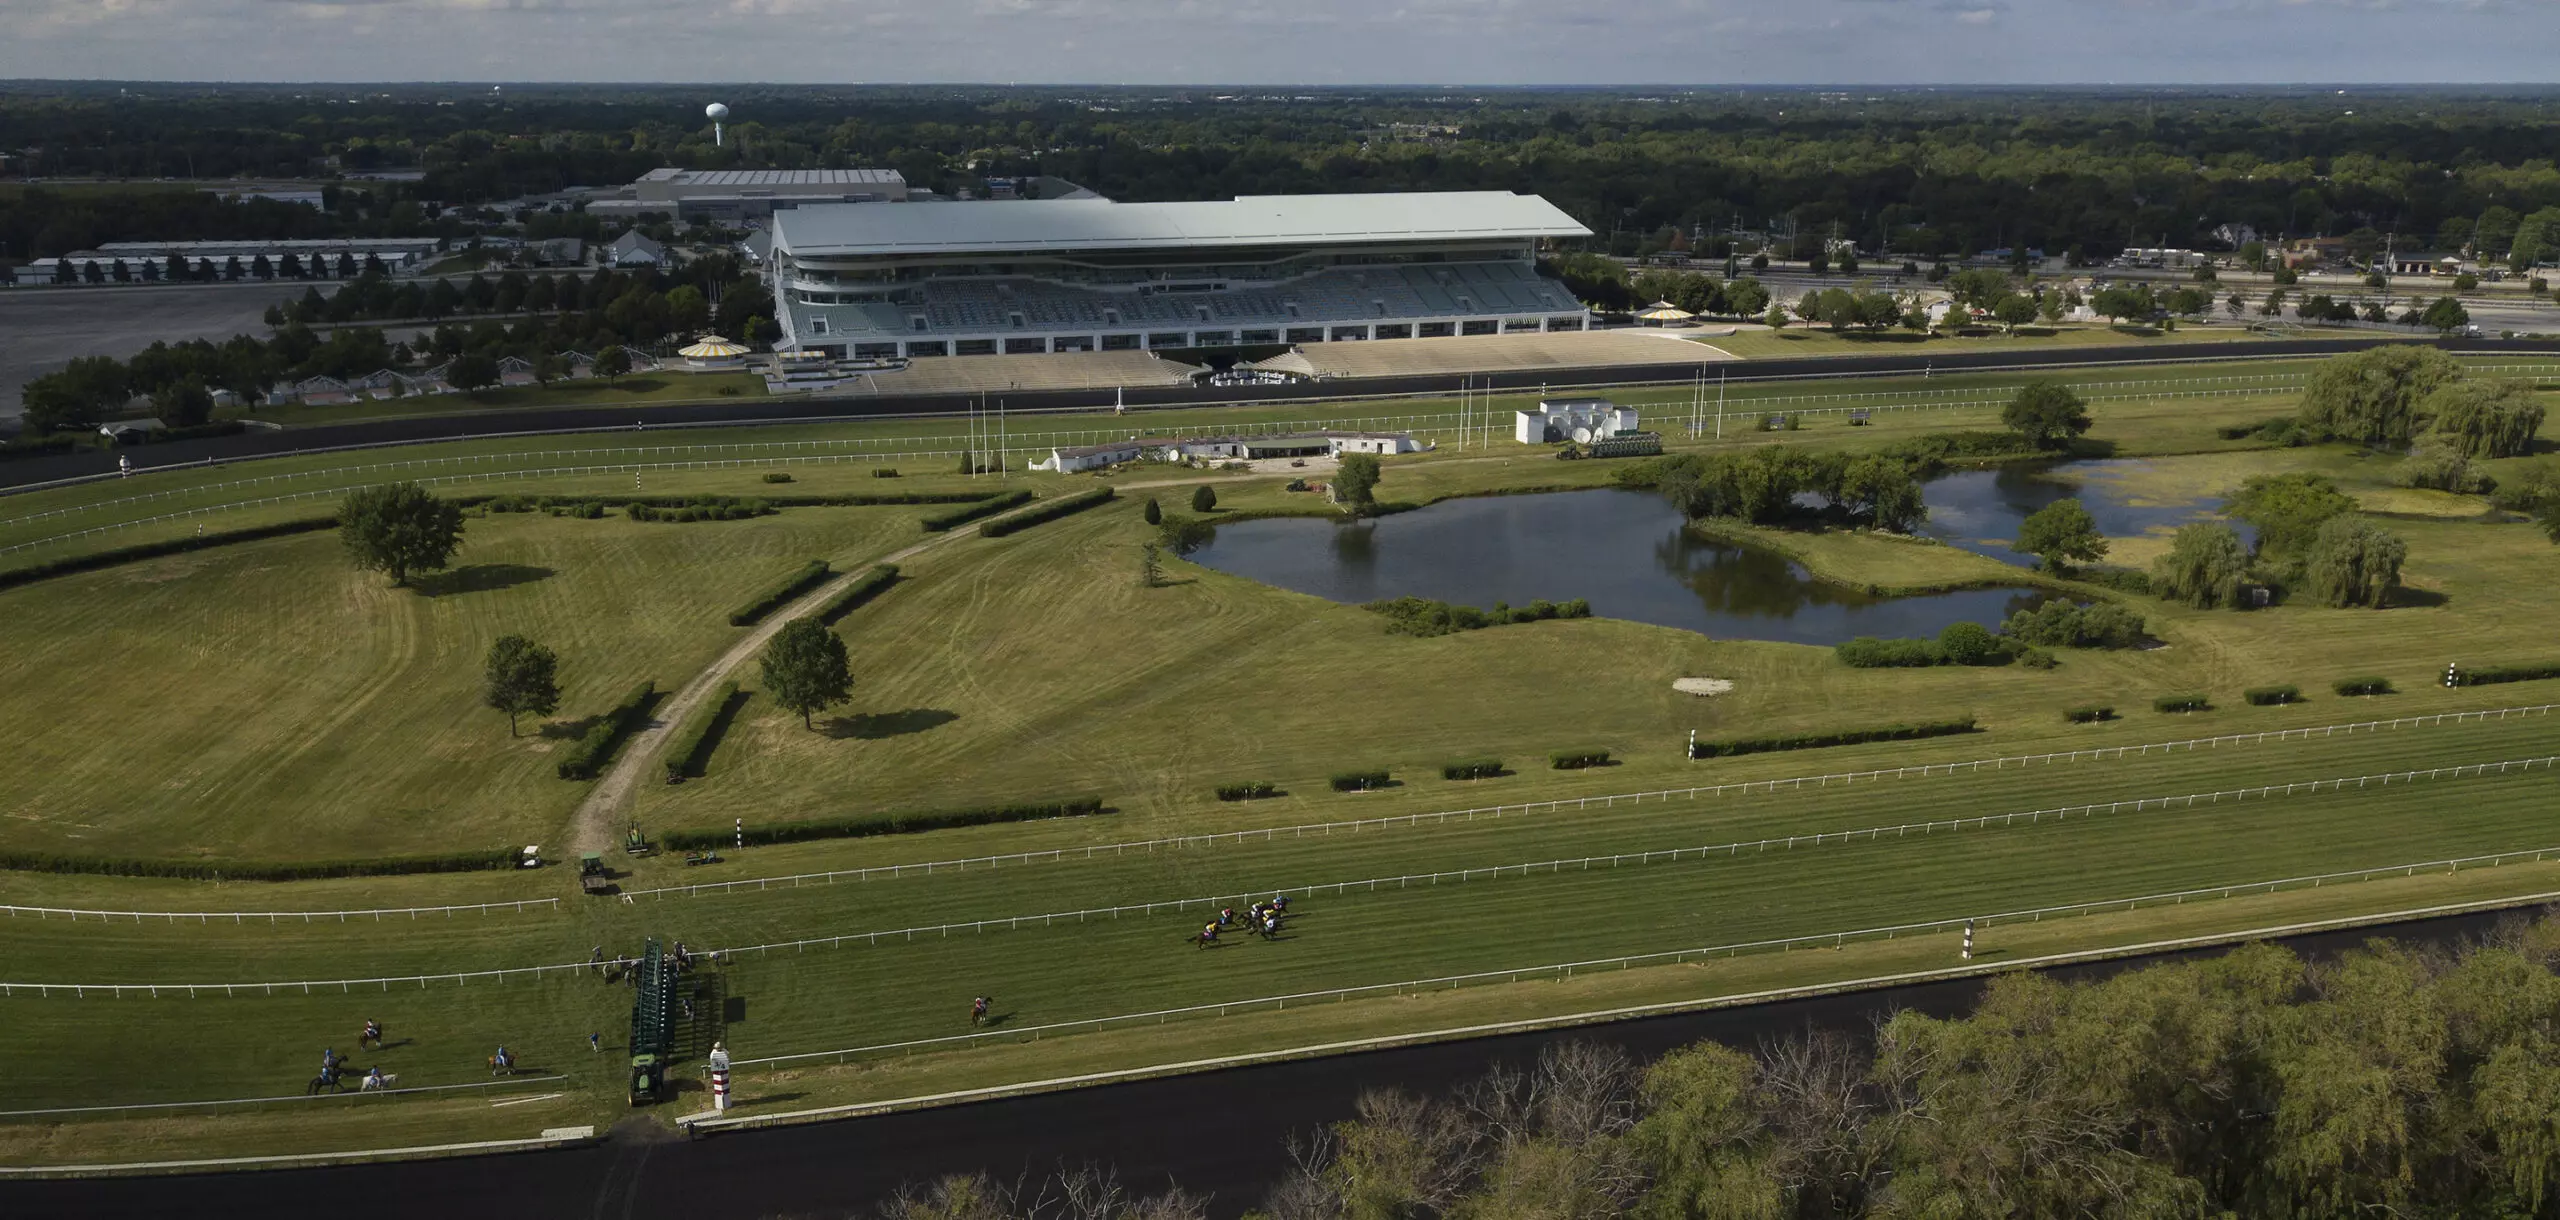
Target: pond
1625, 551
1979, 510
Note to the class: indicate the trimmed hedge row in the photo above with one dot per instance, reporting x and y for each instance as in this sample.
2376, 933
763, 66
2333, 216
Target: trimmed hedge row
849, 500
2182, 703
256, 870
94, 560
2088, 714
881, 824
1360, 781
1473, 768
935, 523
772, 598
863, 589
1047, 511
1250, 790
1422, 616
2272, 696
605, 736
1836, 737
1575, 760
2493, 674
701, 508
2362, 686
690, 756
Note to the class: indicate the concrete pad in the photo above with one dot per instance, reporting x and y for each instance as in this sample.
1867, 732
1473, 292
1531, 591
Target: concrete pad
1501, 353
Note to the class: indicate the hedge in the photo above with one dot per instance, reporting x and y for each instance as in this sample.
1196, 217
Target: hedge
772, 598
864, 825
1575, 760
2272, 696
2088, 714
94, 560
690, 756
700, 508
257, 870
1250, 790
809, 501
1421, 616
777, 476
1360, 781
1868, 652
2493, 674
2181, 703
935, 523
1473, 768
596, 748
863, 589
1836, 737
1049, 510
2362, 686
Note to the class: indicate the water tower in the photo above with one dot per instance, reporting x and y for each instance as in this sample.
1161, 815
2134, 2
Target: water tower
716, 111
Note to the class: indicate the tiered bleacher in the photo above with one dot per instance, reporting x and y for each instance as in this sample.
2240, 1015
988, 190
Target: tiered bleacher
1081, 275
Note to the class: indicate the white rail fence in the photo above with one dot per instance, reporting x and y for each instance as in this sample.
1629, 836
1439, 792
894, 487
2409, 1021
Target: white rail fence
1607, 800
1565, 970
377, 914
59, 1111
1338, 888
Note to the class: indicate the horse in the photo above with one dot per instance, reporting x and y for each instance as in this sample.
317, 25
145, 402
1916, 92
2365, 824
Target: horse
325, 1080
383, 1081
502, 1065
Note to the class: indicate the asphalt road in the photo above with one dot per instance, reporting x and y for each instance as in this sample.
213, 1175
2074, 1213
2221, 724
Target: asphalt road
42, 329
453, 427
1225, 1133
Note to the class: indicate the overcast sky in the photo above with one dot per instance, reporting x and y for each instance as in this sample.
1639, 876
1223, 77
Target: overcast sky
1288, 41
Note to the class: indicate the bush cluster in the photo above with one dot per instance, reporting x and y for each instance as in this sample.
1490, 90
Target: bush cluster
1473, 768
935, 523
2272, 696
777, 476
1868, 652
586, 759
2122, 580
863, 825
1046, 511
94, 560
1422, 616
1359, 781
700, 508
690, 756
2062, 624
863, 589
256, 870
2181, 703
2088, 713
884, 472
2362, 686
1834, 737
773, 597
2491, 675
1576, 760
1249, 790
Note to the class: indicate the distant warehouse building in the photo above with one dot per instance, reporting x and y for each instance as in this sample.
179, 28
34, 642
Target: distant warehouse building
733, 195
150, 260
1064, 275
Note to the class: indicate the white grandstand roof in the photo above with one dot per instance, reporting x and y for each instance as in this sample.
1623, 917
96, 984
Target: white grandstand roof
1098, 224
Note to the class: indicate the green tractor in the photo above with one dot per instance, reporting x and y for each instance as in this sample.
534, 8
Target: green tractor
652, 1024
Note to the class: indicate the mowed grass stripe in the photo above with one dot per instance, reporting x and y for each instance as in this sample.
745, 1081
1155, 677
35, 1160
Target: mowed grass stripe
68, 951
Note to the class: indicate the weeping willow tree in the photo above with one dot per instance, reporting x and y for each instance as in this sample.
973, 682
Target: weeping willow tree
2203, 568
2486, 419
2353, 562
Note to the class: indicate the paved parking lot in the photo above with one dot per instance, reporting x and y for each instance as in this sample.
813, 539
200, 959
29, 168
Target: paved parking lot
41, 329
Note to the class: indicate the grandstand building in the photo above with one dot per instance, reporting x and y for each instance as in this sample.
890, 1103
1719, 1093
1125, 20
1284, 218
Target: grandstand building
1093, 275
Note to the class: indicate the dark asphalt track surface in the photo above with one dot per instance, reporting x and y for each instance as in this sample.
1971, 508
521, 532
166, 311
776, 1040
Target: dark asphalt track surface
1222, 1133
821, 408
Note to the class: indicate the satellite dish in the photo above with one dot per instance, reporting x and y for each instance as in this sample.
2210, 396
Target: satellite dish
716, 111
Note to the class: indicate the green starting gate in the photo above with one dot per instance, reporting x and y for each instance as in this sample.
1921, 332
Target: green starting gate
653, 1024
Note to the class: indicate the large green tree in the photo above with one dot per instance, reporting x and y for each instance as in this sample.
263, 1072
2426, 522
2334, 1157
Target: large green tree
2486, 419
2204, 567
520, 676
2286, 509
2047, 413
806, 669
399, 528
2353, 562
2061, 534
1355, 484
2372, 396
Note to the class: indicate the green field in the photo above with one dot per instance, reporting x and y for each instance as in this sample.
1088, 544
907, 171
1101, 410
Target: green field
263, 702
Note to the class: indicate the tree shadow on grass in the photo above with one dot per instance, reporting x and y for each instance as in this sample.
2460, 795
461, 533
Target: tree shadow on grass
570, 729
2405, 598
871, 726
480, 578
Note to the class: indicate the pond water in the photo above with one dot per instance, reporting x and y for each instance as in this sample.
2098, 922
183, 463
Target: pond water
1625, 551
1979, 510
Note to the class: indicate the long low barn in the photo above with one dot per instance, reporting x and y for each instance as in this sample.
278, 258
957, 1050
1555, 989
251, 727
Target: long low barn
1020, 276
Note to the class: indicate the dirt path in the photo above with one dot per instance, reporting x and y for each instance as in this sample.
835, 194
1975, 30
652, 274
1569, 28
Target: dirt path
599, 817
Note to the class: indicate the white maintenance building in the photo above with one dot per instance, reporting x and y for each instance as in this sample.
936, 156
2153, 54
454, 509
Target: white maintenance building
1580, 420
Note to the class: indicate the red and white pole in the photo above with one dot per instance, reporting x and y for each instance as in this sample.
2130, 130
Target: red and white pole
720, 1078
